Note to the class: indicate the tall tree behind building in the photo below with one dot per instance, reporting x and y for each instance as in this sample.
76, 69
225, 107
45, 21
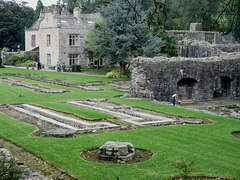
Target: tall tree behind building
13, 20
38, 9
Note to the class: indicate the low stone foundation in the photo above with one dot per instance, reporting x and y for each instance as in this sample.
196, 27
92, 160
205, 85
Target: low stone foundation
191, 79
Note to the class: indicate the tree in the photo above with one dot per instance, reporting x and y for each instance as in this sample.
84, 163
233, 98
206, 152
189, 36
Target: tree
156, 18
13, 20
184, 12
38, 10
228, 19
122, 35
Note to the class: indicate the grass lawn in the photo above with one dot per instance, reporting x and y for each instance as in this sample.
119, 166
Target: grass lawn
212, 147
100, 71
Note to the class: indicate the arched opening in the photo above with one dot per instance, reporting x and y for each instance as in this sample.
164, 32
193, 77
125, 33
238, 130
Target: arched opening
226, 86
186, 88
223, 87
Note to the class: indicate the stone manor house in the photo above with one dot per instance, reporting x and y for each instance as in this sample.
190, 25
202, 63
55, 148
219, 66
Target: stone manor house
60, 37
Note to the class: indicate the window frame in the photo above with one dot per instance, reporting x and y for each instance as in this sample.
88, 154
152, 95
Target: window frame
49, 59
74, 40
73, 59
48, 40
33, 40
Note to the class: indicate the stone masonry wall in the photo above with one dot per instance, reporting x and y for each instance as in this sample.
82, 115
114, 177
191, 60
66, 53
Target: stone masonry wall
192, 79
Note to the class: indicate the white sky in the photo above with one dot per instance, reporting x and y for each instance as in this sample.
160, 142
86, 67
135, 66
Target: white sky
33, 3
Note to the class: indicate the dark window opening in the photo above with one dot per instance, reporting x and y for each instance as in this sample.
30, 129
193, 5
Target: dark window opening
186, 88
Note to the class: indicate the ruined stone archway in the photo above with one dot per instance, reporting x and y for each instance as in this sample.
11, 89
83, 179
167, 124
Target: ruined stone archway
223, 87
187, 88
226, 86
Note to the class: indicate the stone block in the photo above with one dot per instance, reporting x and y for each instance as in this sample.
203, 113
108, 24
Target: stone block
195, 27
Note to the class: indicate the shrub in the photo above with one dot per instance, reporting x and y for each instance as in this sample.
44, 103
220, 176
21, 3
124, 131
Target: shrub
128, 73
21, 57
113, 74
28, 63
184, 166
28, 56
75, 68
13, 60
9, 170
116, 74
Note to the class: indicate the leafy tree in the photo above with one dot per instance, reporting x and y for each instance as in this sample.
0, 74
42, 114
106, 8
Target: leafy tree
39, 8
228, 19
92, 7
13, 20
184, 12
157, 16
122, 35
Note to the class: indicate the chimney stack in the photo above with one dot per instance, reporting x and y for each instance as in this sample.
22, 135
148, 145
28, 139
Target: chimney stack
77, 12
56, 10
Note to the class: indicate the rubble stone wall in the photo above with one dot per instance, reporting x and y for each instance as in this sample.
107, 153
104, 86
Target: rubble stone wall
191, 79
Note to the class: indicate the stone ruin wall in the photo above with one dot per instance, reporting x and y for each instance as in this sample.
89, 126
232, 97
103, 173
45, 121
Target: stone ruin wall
192, 79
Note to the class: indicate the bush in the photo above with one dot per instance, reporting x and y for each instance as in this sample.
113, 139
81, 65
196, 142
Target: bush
128, 73
28, 56
9, 170
28, 63
116, 74
13, 60
21, 57
20, 60
185, 167
75, 68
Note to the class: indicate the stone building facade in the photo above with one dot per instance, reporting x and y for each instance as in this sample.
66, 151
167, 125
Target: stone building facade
191, 79
60, 37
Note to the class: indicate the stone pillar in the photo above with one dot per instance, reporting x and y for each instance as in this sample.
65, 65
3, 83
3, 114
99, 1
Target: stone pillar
195, 27
56, 10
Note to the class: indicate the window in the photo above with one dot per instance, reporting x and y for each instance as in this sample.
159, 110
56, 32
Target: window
33, 41
73, 40
98, 62
73, 59
48, 59
48, 40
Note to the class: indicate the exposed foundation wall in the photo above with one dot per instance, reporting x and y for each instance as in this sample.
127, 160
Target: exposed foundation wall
209, 36
191, 79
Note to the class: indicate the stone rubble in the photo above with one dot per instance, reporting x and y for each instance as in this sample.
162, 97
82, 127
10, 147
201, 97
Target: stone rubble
54, 81
119, 85
32, 86
27, 174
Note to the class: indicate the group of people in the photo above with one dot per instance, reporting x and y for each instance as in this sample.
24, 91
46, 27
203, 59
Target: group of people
59, 67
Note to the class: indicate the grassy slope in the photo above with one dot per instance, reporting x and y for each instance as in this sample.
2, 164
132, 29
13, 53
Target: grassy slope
212, 147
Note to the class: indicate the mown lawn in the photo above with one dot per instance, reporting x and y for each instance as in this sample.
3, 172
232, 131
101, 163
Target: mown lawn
212, 147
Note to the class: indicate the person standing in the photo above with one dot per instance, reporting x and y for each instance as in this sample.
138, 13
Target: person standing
58, 67
38, 65
64, 67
